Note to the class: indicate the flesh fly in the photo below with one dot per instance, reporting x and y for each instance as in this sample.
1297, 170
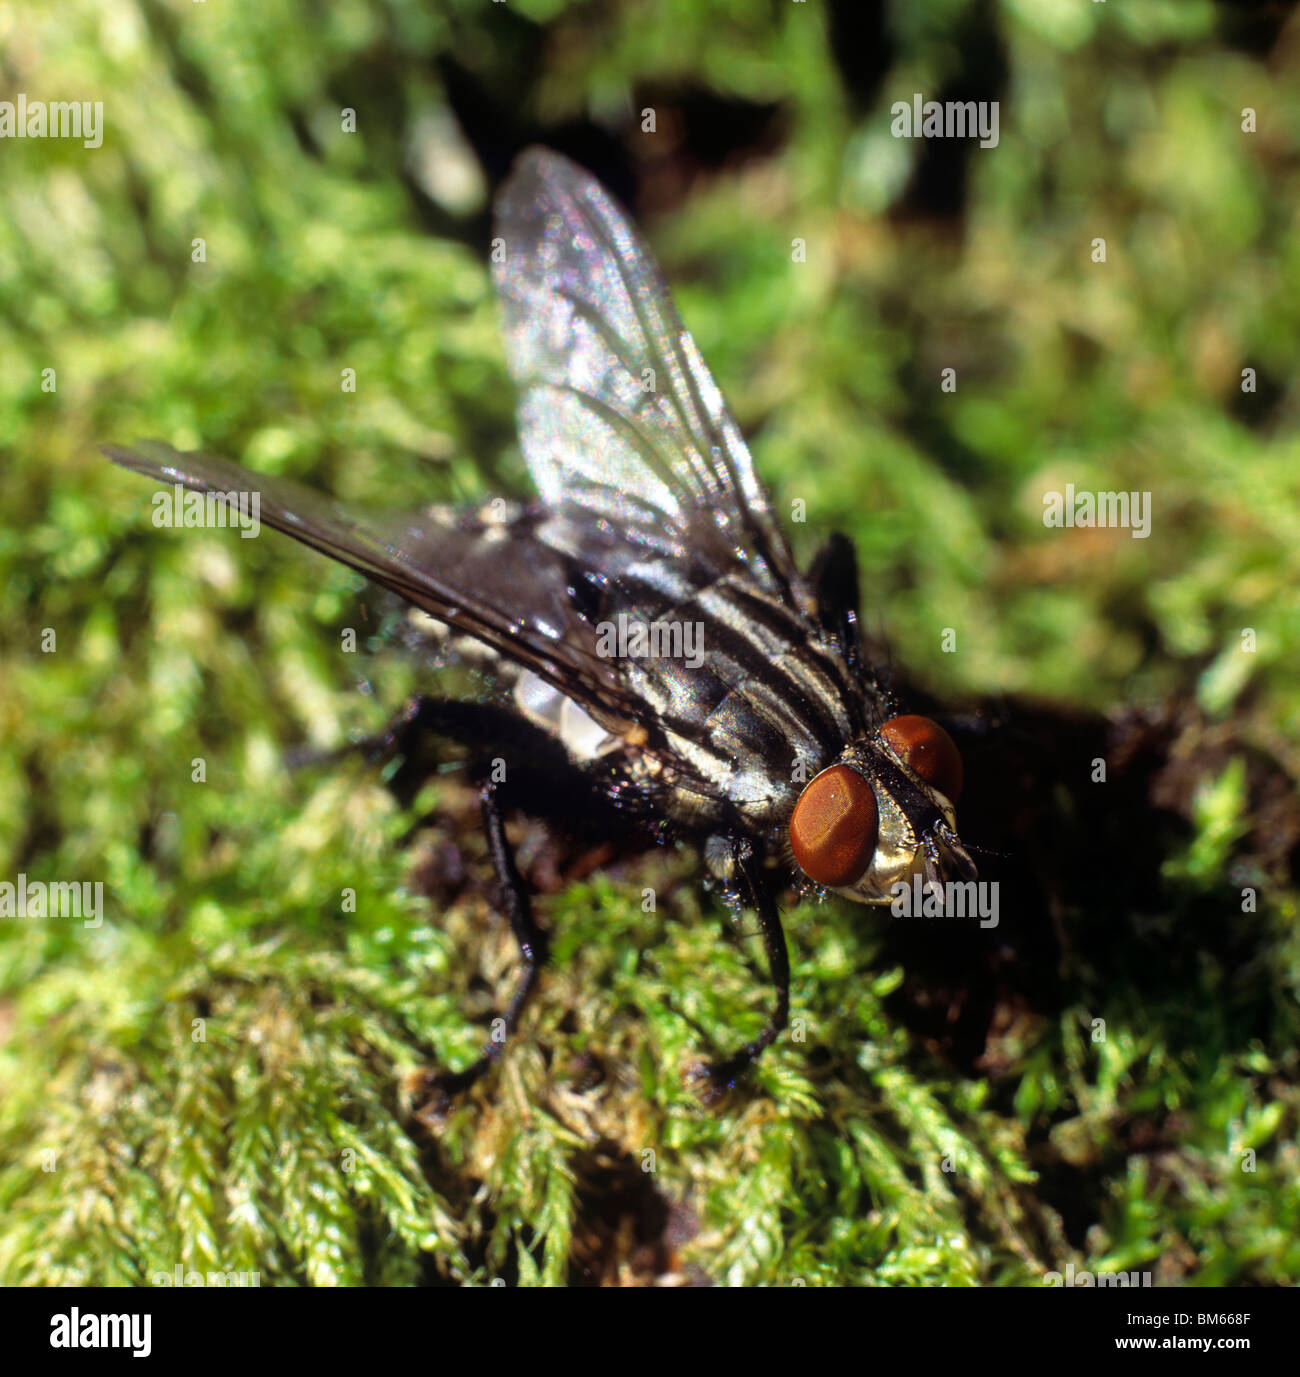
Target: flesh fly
656, 646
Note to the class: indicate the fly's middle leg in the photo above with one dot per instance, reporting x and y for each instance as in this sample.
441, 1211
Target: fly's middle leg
716, 1078
534, 947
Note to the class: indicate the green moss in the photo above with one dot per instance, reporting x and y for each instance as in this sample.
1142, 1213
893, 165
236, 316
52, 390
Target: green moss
222, 1075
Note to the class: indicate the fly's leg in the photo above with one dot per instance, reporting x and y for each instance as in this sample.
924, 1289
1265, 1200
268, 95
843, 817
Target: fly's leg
540, 778
716, 1078
485, 732
419, 714
455, 719
534, 947
396, 737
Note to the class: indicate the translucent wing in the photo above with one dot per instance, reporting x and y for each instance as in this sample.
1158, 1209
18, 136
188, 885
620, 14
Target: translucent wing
618, 412
502, 584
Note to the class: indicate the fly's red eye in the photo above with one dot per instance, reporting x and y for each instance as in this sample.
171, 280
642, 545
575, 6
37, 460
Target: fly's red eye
927, 750
833, 827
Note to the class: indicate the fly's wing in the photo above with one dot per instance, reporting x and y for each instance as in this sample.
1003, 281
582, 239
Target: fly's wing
618, 413
496, 582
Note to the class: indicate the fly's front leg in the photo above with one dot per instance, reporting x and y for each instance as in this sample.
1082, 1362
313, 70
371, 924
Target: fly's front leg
396, 737
534, 946
407, 741
719, 1076
419, 714
455, 719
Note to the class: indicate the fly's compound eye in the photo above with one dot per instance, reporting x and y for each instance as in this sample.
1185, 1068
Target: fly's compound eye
833, 827
927, 750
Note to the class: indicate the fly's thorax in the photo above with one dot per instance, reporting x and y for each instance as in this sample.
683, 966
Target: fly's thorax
883, 812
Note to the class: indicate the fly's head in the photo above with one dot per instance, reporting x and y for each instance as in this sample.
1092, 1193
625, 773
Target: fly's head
883, 812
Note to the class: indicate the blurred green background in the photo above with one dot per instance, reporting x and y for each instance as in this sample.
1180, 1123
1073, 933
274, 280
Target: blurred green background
283, 1141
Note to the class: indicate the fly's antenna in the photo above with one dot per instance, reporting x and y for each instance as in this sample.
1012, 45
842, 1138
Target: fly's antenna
986, 850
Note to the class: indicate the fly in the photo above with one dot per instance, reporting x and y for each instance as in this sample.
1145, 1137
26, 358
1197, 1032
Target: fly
658, 649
